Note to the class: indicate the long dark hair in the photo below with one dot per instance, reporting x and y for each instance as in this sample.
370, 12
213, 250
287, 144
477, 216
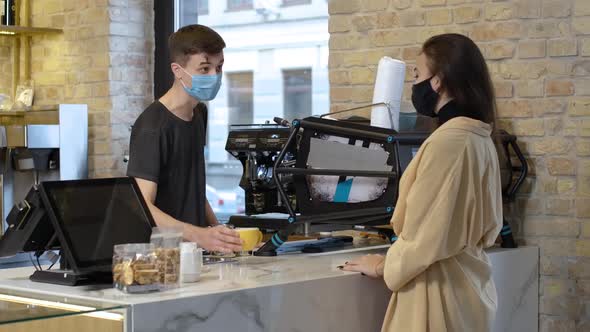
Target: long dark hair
463, 72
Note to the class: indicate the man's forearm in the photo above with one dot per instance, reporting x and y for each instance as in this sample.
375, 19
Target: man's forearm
163, 219
210, 216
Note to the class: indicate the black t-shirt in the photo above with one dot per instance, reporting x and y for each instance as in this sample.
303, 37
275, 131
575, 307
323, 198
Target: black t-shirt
170, 151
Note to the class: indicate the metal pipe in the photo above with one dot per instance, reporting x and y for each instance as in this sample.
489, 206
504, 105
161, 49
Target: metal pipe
277, 166
367, 212
360, 107
326, 128
335, 172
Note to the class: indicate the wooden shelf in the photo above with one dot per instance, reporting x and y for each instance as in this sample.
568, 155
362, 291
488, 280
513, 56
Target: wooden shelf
32, 111
14, 30
21, 35
19, 118
12, 113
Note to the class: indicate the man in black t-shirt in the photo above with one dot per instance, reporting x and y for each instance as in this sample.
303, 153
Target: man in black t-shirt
166, 153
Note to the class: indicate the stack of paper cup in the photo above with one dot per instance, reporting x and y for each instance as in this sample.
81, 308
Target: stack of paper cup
191, 260
389, 86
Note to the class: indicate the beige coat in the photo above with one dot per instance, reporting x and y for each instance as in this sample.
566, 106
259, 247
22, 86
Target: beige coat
449, 209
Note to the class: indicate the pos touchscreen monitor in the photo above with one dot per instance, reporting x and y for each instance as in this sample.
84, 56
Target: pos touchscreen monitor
91, 216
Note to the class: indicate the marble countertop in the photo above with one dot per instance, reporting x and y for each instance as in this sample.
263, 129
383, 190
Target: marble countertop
239, 274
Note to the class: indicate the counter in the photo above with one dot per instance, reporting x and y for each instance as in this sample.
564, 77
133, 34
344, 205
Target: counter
289, 293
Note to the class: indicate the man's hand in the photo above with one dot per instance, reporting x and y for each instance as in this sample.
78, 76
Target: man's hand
218, 238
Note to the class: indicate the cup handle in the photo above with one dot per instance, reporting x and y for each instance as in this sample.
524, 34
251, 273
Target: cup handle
259, 237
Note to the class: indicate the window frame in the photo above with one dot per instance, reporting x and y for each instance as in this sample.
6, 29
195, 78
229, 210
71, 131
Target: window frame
284, 92
228, 76
164, 25
206, 10
291, 3
239, 8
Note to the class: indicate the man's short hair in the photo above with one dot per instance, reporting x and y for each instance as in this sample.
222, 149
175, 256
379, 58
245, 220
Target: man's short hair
193, 39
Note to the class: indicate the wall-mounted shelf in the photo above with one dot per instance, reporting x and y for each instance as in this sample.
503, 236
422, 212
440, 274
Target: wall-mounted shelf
21, 34
22, 113
9, 118
12, 113
14, 30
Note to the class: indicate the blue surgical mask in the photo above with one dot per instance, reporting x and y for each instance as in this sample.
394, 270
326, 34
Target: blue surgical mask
204, 87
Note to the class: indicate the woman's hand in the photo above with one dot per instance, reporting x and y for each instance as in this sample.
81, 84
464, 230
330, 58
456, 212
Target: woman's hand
369, 265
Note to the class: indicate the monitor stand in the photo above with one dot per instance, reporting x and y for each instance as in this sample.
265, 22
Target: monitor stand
70, 278
66, 276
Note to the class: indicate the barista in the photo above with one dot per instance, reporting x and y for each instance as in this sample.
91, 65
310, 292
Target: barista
166, 154
450, 203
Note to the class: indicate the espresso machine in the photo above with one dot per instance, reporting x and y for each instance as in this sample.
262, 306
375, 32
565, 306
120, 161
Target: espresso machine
335, 174
317, 174
38, 146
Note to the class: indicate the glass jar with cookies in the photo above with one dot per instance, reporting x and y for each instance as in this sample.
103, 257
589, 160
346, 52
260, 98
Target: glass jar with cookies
167, 244
135, 268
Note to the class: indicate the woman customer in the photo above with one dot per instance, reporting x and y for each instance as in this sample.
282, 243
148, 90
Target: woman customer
450, 205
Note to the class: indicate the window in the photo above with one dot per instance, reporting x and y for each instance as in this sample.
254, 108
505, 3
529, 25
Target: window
287, 3
240, 98
189, 11
297, 93
276, 65
203, 7
237, 5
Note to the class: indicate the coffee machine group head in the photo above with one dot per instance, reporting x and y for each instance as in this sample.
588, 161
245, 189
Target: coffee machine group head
257, 148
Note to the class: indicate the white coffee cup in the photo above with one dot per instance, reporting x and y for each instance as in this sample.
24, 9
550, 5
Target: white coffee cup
191, 260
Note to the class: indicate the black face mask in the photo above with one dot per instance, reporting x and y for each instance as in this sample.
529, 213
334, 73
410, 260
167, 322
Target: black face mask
424, 98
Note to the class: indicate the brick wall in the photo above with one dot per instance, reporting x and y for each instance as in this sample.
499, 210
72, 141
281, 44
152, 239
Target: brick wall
538, 52
103, 58
131, 73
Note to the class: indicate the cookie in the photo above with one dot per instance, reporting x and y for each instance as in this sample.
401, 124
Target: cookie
127, 274
146, 277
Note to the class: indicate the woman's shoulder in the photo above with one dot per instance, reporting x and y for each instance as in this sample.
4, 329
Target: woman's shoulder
441, 152
453, 144
447, 142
